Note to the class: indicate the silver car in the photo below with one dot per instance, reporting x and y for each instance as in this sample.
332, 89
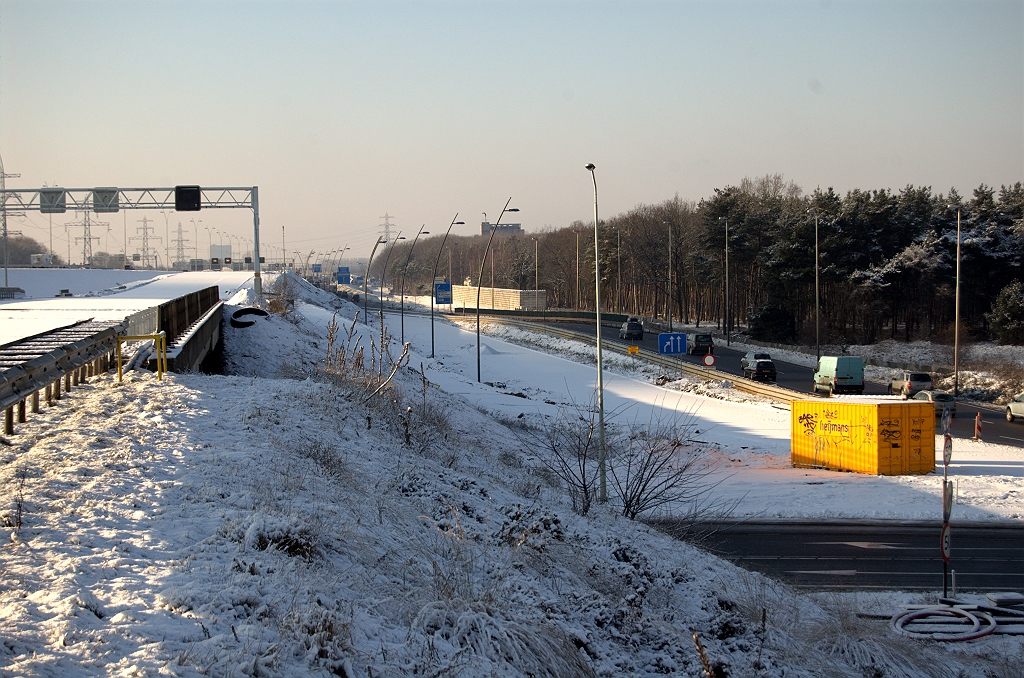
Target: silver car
909, 383
1015, 408
940, 399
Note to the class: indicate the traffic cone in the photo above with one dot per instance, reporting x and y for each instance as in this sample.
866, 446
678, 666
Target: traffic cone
977, 427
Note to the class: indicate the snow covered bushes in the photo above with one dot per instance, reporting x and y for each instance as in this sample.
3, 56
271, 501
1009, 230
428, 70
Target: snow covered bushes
570, 451
656, 464
651, 464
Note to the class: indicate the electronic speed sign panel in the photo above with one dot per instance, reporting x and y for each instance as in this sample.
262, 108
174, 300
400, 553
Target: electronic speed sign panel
671, 343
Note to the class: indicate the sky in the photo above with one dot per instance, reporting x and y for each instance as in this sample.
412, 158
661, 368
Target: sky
342, 112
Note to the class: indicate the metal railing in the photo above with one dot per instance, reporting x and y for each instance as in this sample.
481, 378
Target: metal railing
160, 341
51, 362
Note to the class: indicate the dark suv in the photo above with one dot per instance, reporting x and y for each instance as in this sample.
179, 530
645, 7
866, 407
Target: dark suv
632, 329
747, 362
761, 370
700, 344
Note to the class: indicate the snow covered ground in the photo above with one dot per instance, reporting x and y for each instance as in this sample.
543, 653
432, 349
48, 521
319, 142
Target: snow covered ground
124, 296
46, 283
279, 522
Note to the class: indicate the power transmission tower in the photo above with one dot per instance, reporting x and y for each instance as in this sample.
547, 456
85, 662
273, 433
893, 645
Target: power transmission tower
387, 226
86, 225
3, 216
145, 238
180, 249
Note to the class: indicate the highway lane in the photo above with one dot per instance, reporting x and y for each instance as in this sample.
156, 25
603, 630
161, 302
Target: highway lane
995, 428
860, 557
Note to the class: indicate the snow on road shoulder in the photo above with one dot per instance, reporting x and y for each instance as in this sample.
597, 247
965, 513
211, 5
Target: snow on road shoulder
752, 442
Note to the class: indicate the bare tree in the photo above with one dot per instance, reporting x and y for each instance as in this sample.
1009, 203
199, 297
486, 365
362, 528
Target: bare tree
568, 447
658, 463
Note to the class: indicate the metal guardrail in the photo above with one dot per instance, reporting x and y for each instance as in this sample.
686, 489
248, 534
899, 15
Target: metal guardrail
41, 362
747, 386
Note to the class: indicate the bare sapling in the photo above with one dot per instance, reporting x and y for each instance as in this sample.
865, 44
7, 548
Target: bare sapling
657, 463
570, 451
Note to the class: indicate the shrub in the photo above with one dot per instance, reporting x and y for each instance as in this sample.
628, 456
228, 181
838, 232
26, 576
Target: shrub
1007, 315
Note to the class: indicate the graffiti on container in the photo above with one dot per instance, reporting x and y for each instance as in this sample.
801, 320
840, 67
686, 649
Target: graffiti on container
916, 425
809, 422
820, 445
834, 428
889, 435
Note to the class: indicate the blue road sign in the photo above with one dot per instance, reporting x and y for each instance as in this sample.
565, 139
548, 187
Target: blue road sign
443, 293
316, 268
671, 343
947, 416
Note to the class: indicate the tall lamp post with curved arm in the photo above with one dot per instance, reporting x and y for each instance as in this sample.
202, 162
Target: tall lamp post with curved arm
195, 227
480, 279
383, 277
366, 277
817, 296
433, 277
728, 305
600, 368
405, 270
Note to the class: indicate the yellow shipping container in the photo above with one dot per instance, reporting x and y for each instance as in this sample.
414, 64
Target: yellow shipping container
882, 437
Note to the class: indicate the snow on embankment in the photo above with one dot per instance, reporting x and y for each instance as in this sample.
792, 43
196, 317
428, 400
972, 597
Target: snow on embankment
292, 340
229, 525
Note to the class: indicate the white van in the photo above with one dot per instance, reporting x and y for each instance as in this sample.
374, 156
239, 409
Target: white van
839, 374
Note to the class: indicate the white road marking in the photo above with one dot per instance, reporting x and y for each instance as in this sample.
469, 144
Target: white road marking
860, 544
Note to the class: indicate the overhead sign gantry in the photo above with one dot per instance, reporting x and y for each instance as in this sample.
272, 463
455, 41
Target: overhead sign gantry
57, 200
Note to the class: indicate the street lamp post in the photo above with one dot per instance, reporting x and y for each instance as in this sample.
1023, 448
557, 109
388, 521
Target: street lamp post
669, 224
366, 277
433, 278
600, 368
817, 291
480, 280
956, 314
577, 269
536, 274
618, 269
406, 270
383, 277
305, 264
727, 305
195, 227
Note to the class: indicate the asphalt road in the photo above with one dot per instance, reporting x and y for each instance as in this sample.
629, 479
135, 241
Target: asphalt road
995, 428
861, 557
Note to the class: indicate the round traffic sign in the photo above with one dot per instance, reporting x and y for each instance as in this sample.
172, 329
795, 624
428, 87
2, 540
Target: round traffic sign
946, 548
947, 449
709, 360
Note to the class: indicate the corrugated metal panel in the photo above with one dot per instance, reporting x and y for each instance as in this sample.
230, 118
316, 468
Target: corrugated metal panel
890, 438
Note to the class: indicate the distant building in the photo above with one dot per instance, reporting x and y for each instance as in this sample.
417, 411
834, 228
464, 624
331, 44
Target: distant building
503, 229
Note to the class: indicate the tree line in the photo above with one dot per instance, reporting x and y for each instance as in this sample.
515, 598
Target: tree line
886, 262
